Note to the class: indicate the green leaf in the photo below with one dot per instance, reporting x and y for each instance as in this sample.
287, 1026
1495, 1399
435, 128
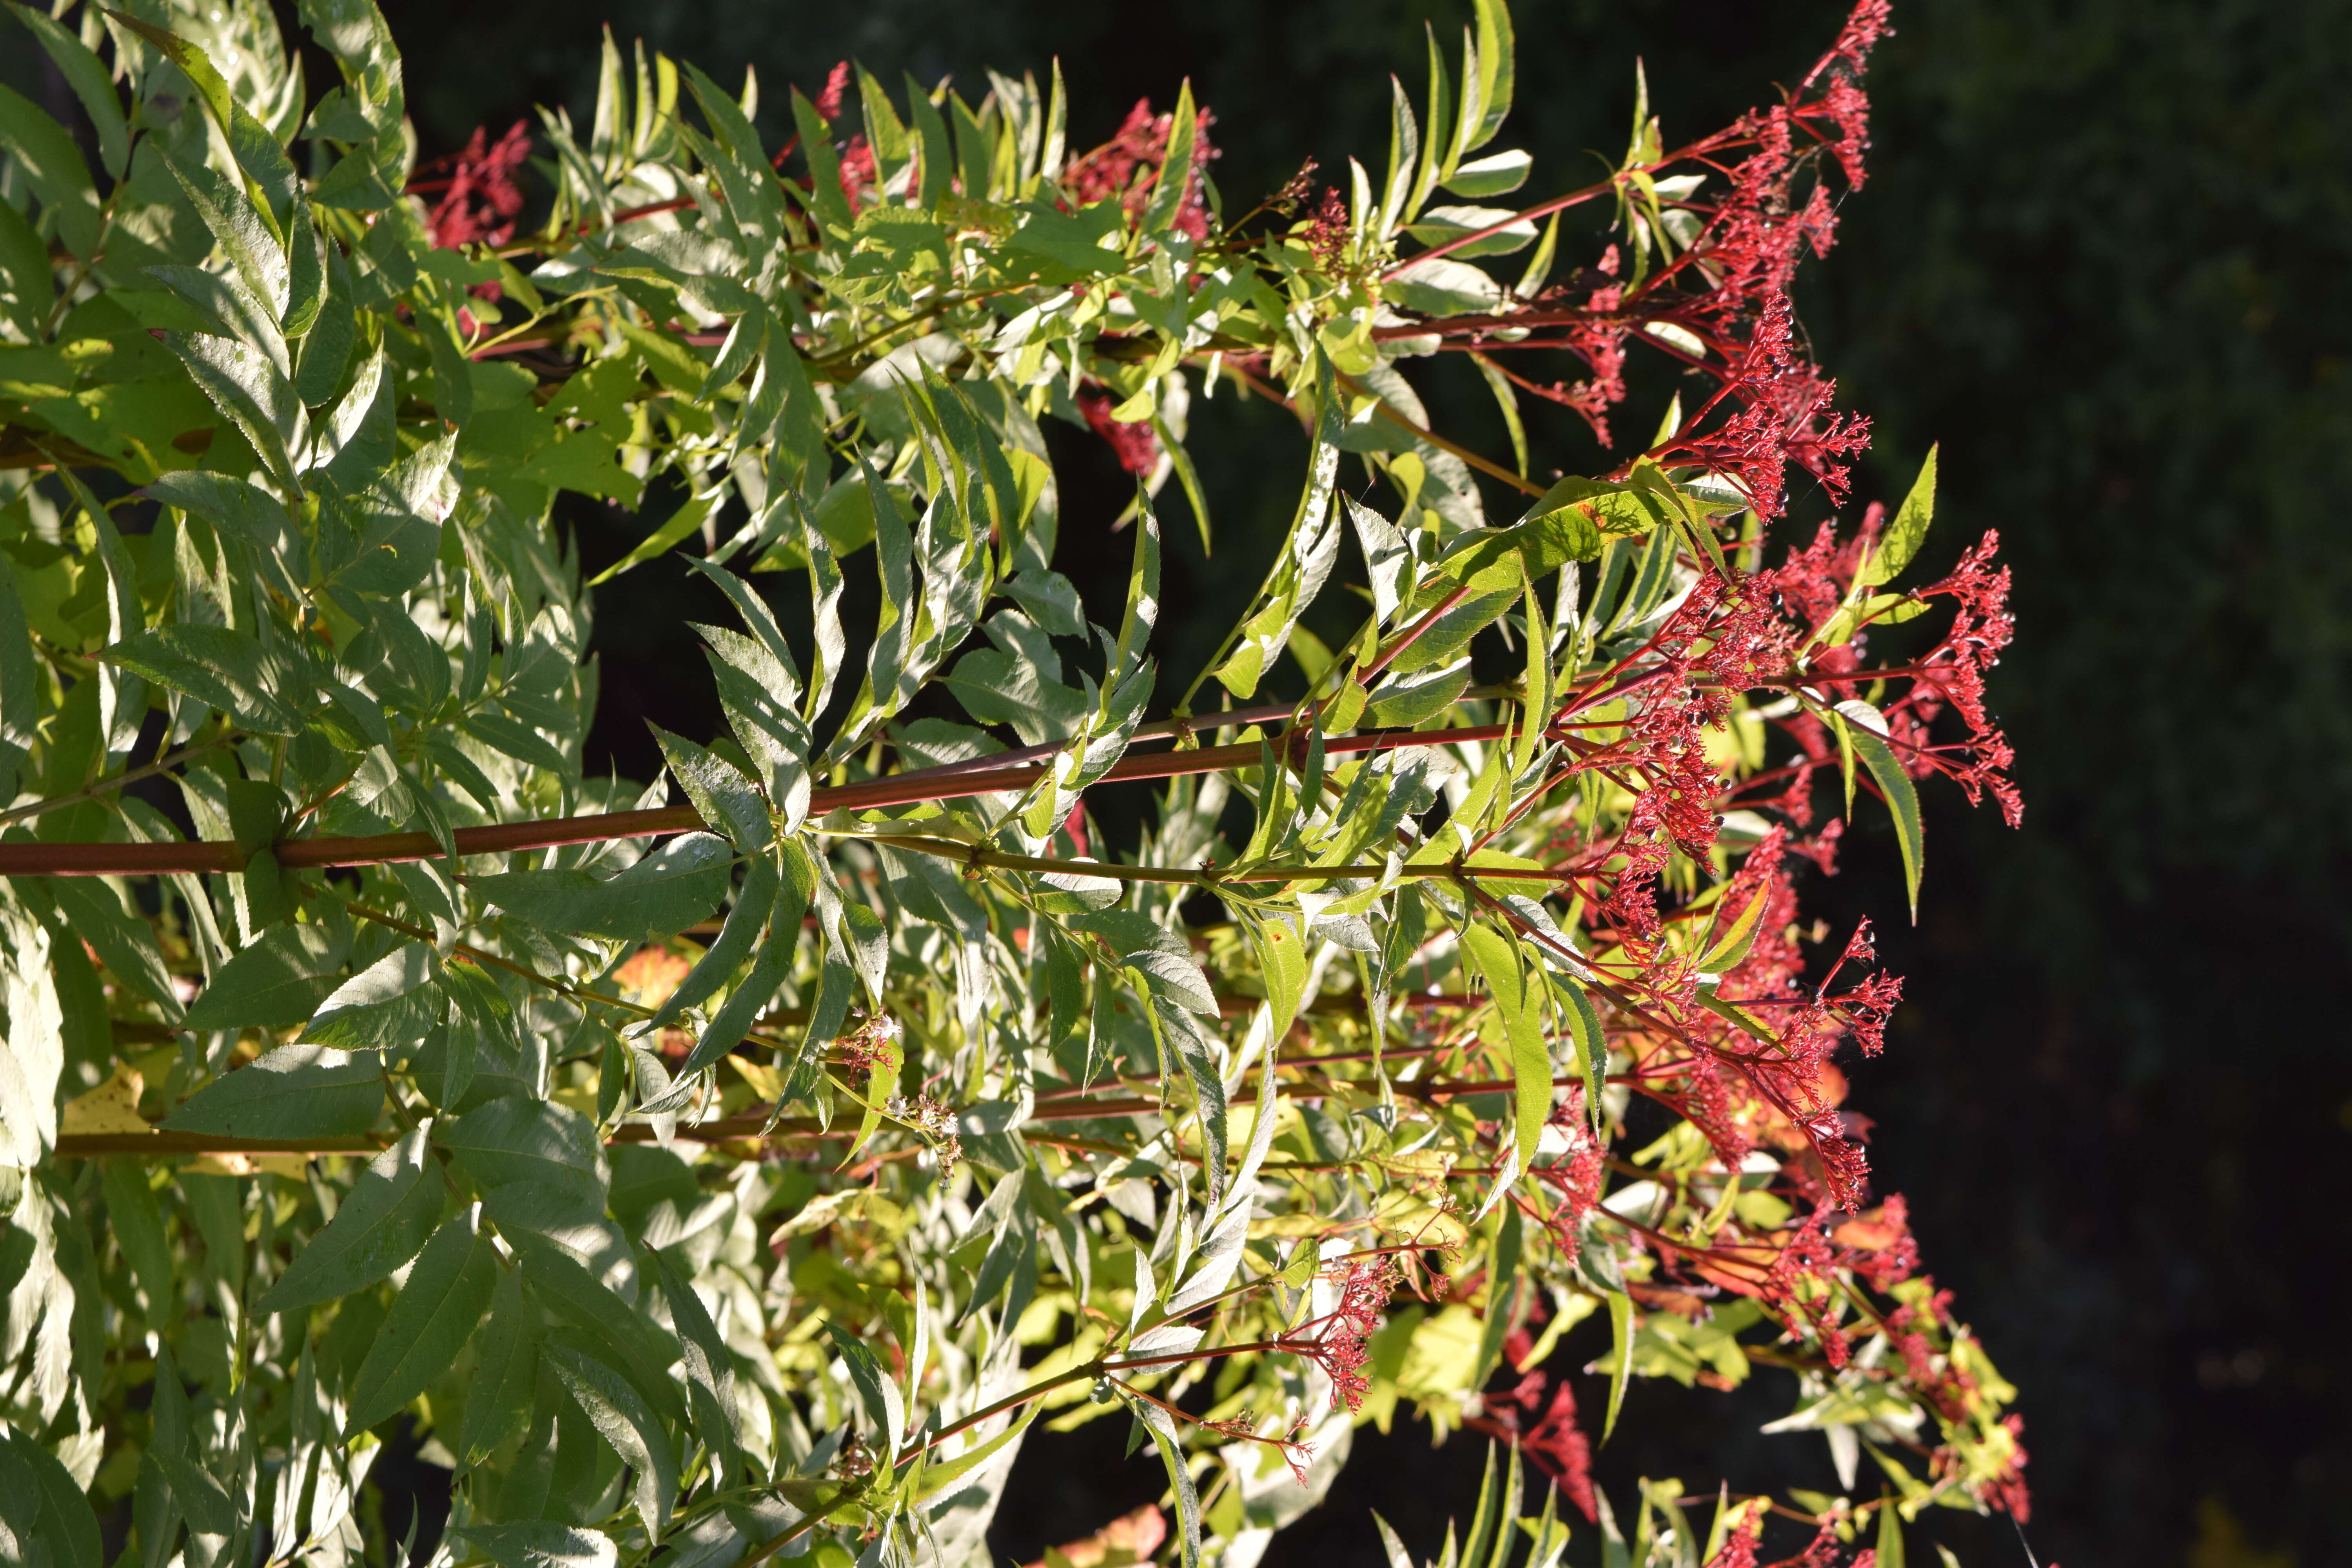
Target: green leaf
1161, 958
389, 1213
625, 1421
1507, 398
779, 941
629, 1339
215, 666
1175, 177
511, 1140
746, 922
229, 310
1728, 948
1497, 71
1282, 959
43, 1505
483, 1017
1179, 1030
294, 1092
1621, 1330
388, 1004
682, 522
1498, 174
91, 84
200, 1495
937, 1476
52, 165
124, 944
438, 1310
1866, 728
258, 152
1162, 1427
1738, 1017
255, 395
709, 1366
31, 282
889, 1055
824, 197
726, 799
1890, 1518
1903, 536
1517, 1000
539, 1544
1568, 523
756, 691
875, 1390
308, 273
1180, 460
1307, 556
136, 1220
1591, 1048
276, 982
667, 892
20, 681
250, 241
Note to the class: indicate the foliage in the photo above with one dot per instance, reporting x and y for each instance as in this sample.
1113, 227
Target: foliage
371, 1069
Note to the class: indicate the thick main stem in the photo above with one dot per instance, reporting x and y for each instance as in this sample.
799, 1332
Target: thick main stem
155, 860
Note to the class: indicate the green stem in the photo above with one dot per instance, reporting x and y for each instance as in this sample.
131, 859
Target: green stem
974, 855
107, 785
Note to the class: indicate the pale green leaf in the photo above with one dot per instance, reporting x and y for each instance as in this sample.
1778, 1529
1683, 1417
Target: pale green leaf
276, 982
294, 1092
436, 1312
667, 892
388, 1213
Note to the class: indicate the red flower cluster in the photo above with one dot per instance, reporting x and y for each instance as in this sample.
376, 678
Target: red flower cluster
1539, 1415
1328, 230
858, 170
868, 1045
1726, 288
1365, 1287
1953, 674
836, 83
479, 199
1807, 1255
1738, 1549
1784, 417
1140, 147
1136, 447
1810, 584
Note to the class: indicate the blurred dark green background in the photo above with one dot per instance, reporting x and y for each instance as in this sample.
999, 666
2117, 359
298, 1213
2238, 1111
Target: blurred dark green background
2102, 259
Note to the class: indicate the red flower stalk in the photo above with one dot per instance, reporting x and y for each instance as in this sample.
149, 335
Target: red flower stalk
857, 172
828, 102
1865, 25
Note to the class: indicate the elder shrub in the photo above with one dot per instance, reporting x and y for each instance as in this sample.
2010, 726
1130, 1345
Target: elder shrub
739, 1165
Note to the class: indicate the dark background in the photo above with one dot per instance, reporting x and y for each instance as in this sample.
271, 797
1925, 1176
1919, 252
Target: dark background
2101, 259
